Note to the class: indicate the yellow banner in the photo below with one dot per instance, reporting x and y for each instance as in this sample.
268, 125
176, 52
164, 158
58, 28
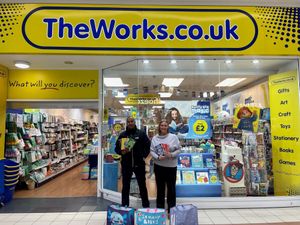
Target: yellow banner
142, 99
149, 30
285, 130
3, 95
53, 84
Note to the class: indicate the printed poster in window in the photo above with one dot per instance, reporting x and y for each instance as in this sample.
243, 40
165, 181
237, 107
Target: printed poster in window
246, 118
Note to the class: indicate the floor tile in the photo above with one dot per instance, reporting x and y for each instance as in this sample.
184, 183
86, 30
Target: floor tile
236, 220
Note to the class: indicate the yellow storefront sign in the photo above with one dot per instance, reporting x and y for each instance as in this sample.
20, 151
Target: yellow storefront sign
285, 130
53, 84
142, 99
3, 95
149, 30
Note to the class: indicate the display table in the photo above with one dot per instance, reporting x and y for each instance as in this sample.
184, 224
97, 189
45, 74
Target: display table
110, 176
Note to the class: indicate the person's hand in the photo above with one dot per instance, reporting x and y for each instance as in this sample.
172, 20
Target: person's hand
124, 151
161, 158
168, 155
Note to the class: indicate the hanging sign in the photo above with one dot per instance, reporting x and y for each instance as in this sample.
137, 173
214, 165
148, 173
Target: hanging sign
246, 118
142, 99
199, 127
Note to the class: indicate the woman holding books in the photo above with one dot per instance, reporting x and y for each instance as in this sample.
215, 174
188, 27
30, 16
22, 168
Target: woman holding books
165, 148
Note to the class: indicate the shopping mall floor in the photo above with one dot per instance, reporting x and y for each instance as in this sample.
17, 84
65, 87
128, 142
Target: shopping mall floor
92, 211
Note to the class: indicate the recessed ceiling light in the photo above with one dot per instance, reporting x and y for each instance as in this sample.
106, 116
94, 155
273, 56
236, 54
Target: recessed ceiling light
255, 61
120, 95
173, 61
229, 82
228, 61
22, 64
114, 82
146, 61
204, 94
172, 82
201, 61
165, 94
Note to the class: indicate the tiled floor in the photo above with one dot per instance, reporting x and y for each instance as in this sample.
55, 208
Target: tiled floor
91, 211
229, 216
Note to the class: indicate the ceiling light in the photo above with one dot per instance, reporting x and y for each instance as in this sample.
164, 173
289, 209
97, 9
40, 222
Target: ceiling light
157, 106
22, 64
146, 61
122, 102
120, 95
211, 94
114, 82
172, 82
204, 94
228, 61
165, 94
255, 61
127, 106
201, 61
229, 82
173, 61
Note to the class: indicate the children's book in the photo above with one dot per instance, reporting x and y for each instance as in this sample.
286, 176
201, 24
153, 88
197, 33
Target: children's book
213, 176
188, 177
209, 163
127, 143
184, 161
197, 161
178, 177
202, 177
161, 149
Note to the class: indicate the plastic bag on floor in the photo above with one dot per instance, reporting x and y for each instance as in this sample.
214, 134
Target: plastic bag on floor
150, 216
184, 215
117, 215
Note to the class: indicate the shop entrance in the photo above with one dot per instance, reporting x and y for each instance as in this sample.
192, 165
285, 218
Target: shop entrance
56, 145
223, 119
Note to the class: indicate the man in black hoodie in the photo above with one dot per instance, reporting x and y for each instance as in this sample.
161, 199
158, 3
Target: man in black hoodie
134, 146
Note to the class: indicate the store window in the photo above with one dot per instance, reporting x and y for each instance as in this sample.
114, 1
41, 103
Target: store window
236, 120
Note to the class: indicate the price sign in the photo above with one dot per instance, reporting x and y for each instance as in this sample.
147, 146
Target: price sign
200, 127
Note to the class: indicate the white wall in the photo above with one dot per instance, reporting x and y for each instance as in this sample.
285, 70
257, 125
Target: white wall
73, 114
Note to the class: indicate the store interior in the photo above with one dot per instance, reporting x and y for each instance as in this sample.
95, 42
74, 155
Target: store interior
199, 80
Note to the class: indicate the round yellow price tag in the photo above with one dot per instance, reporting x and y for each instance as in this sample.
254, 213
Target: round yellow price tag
200, 127
133, 114
213, 179
117, 127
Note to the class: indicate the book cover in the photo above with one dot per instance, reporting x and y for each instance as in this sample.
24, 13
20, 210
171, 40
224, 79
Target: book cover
127, 143
197, 161
213, 176
188, 177
184, 161
202, 177
209, 163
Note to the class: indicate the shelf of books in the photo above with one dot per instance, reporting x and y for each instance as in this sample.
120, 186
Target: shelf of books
197, 176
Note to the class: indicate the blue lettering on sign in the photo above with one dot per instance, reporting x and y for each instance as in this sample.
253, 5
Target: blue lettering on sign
58, 27
146, 30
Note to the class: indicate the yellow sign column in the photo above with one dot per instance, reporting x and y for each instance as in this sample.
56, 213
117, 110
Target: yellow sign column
285, 130
3, 97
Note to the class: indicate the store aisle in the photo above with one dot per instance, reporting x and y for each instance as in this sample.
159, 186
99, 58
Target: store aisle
276, 216
68, 184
